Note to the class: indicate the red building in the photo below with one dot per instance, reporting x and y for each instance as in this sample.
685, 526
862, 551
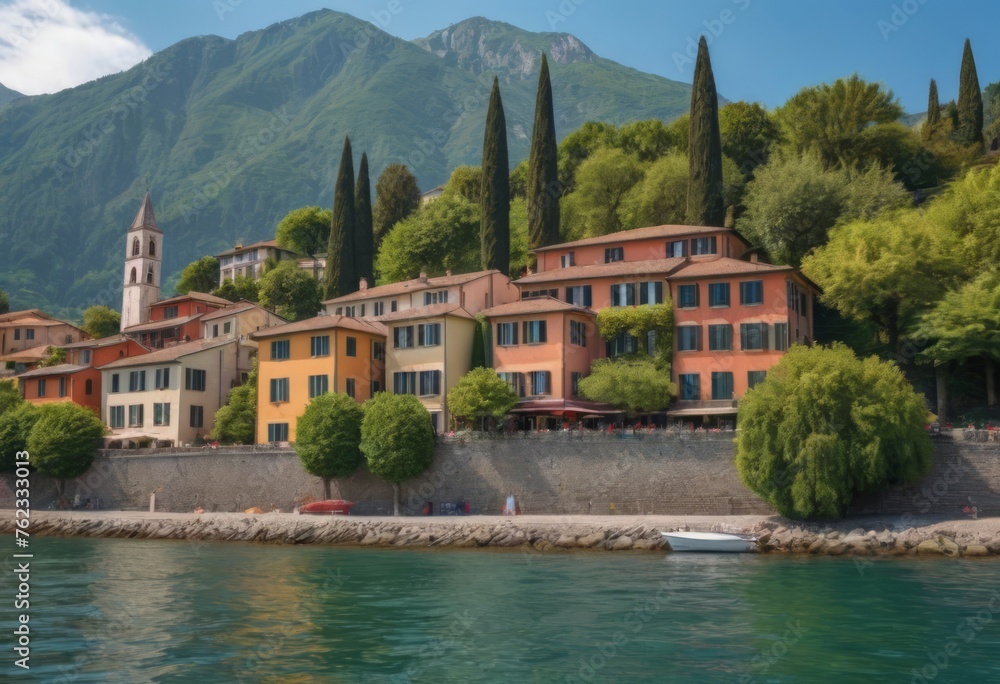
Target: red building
175, 320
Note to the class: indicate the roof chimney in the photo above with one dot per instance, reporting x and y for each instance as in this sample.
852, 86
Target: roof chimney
753, 257
423, 276
448, 272
363, 284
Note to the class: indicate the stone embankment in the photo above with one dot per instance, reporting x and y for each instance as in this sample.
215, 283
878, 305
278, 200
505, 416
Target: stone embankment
541, 533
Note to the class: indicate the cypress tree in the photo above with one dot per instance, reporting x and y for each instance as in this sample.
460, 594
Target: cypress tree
970, 101
364, 242
705, 206
341, 278
933, 105
494, 197
543, 168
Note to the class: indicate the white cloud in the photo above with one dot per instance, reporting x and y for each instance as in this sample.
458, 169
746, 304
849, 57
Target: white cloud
46, 46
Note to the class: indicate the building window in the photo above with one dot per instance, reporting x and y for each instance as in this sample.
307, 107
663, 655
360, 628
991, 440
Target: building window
29, 334
506, 334
612, 254
393, 306
114, 383
280, 349
722, 385
135, 412
621, 344
149, 274
535, 294
753, 336
378, 308
132, 277
152, 247
170, 312
62, 387
430, 383
677, 249
574, 383
688, 338
362, 310
718, 294
754, 378
623, 294
690, 386
578, 333
194, 379
404, 383
651, 293
279, 390
720, 337
162, 378
136, 249
161, 414
579, 296
318, 385
41, 387
752, 292
781, 337
85, 357
116, 416
440, 297
705, 245
567, 260
349, 387
378, 351
17, 334
227, 327
402, 337
376, 387
137, 381
534, 332
540, 383
277, 432
197, 416
515, 380
88, 387
352, 346
319, 345
429, 334
687, 296
215, 330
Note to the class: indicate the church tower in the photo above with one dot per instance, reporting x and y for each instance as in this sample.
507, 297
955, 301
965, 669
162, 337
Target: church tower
143, 265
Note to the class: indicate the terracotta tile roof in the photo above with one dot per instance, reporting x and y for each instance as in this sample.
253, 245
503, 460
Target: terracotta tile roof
29, 317
196, 296
322, 323
61, 369
262, 243
651, 267
169, 354
535, 305
159, 325
647, 233
234, 308
95, 344
430, 311
414, 285
30, 355
724, 266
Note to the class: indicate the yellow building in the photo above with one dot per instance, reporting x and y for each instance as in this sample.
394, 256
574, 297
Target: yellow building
428, 350
305, 359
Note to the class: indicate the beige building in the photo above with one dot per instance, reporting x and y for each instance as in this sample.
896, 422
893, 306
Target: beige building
249, 260
172, 394
428, 350
25, 335
238, 320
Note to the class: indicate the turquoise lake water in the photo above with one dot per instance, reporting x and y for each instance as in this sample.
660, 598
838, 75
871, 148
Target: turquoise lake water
174, 611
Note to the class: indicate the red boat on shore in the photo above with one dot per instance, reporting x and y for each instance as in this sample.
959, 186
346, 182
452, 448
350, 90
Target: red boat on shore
328, 507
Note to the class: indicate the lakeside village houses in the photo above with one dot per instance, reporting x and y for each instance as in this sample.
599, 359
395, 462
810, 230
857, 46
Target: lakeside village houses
162, 379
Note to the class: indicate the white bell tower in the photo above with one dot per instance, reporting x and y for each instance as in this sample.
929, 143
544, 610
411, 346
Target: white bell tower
143, 265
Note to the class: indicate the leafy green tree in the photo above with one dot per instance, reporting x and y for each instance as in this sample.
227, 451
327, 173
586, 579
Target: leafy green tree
704, 197
639, 322
15, 425
364, 242
748, 132
970, 101
543, 168
396, 197
967, 210
467, 181
199, 276
290, 292
442, 235
649, 140
634, 385
933, 119
520, 258
519, 181
4, 303
63, 442
236, 421
494, 197
603, 182
56, 356
825, 426
578, 146
341, 278
481, 393
305, 230
10, 396
100, 321
965, 325
887, 270
239, 287
328, 437
397, 439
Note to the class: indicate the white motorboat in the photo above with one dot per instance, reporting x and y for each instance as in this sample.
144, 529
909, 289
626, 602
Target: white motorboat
718, 542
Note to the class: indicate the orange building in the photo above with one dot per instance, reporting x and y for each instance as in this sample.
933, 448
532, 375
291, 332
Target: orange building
79, 379
175, 320
305, 359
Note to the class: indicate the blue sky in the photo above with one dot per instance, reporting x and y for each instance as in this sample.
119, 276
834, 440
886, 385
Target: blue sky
763, 50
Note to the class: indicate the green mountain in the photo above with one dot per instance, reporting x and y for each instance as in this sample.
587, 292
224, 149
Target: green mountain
232, 134
6, 94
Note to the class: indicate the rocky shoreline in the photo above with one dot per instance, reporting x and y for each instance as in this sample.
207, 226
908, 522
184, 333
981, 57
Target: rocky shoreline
955, 538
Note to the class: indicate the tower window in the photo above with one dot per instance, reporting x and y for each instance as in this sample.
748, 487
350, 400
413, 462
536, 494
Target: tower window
132, 277
149, 275
152, 247
135, 247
